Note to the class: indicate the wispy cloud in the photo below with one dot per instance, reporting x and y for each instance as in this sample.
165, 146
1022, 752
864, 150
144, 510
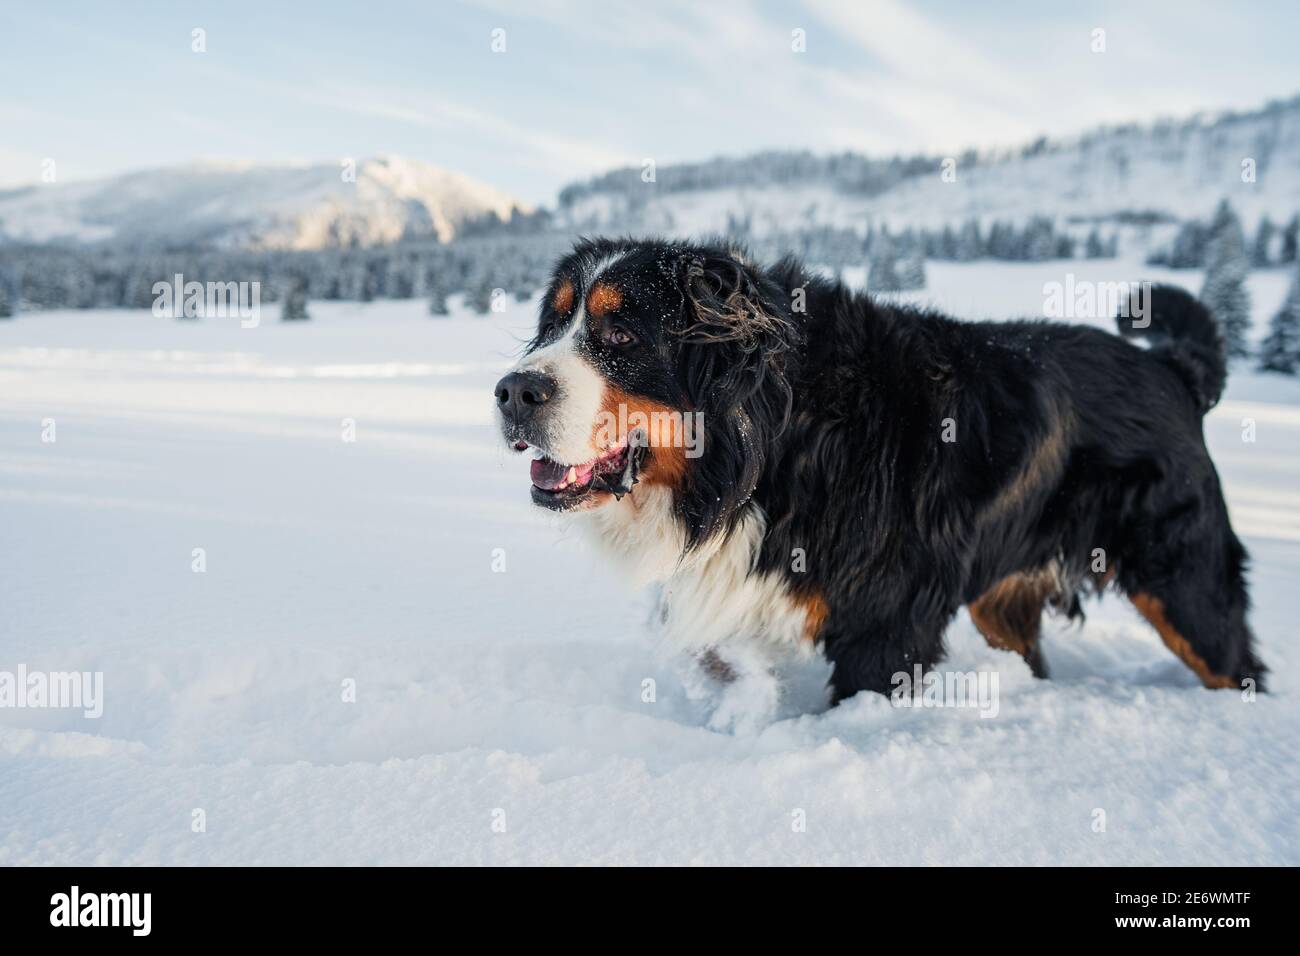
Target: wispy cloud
559, 153
589, 85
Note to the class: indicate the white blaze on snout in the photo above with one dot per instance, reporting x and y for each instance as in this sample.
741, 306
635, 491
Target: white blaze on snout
569, 418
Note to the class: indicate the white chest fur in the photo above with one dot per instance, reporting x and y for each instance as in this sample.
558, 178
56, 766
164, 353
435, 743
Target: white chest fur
711, 597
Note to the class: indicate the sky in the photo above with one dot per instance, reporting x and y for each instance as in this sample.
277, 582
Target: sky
579, 88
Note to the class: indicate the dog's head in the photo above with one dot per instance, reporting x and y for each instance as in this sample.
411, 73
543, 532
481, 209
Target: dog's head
654, 363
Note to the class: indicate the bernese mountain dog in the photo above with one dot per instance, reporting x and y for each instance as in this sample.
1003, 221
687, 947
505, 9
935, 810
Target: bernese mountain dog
799, 464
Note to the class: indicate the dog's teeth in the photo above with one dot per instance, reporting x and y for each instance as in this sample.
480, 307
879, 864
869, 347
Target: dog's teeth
572, 475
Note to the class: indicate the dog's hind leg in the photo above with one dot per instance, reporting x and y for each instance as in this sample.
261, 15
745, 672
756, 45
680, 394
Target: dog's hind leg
1010, 614
1191, 587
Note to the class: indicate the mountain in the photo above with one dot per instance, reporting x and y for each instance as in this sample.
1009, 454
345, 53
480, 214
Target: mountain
240, 205
1160, 172
1166, 170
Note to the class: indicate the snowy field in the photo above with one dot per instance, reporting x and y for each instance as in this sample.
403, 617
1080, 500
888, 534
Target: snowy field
514, 697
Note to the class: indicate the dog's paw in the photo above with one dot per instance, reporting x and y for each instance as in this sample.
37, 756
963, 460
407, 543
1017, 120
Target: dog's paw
747, 704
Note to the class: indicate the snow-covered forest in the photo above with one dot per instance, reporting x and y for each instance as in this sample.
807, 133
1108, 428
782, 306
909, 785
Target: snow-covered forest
1140, 190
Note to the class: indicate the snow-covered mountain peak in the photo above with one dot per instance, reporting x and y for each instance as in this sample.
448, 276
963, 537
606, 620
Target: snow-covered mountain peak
237, 204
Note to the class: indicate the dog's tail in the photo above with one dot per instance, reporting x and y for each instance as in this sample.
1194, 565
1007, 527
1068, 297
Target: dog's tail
1182, 332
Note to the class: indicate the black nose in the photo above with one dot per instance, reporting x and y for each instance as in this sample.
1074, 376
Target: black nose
521, 394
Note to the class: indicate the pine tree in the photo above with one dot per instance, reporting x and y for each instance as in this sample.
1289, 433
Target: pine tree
1280, 350
1188, 250
970, 244
438, 299
1290, 240
1092, 248
1224, 218
1259, 257
1224, 292
911, 268
368, 285
947, 245
883, 274
1002, 242
295, 302
480, 296
1038, 243
398, 279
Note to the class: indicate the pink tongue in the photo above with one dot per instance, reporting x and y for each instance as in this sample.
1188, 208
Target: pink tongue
551, 475
548, 474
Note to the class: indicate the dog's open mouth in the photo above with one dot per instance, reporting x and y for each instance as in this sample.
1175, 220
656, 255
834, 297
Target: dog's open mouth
553, 477
563, 487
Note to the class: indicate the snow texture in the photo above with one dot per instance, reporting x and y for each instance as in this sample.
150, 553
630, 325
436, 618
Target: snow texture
500, 716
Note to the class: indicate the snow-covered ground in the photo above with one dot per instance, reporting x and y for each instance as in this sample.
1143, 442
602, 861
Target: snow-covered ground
499, 715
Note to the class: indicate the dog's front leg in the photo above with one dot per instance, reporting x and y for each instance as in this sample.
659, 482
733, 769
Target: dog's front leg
870, 657
743, 683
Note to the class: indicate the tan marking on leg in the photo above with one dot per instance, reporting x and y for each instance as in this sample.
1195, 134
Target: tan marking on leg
1009, 614
1153, 609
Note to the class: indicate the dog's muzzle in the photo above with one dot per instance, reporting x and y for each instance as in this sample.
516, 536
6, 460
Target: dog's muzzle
521, 396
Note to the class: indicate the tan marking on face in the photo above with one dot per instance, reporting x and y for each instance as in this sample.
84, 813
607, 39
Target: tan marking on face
666, 458
562, 301
603, 299
1153, 609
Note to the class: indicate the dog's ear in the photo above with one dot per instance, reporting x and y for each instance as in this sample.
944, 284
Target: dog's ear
737, 339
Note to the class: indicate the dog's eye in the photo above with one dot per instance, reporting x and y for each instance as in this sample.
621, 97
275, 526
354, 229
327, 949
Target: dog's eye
621, 337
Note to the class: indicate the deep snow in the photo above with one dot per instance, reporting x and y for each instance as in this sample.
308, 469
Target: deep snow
485, 697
